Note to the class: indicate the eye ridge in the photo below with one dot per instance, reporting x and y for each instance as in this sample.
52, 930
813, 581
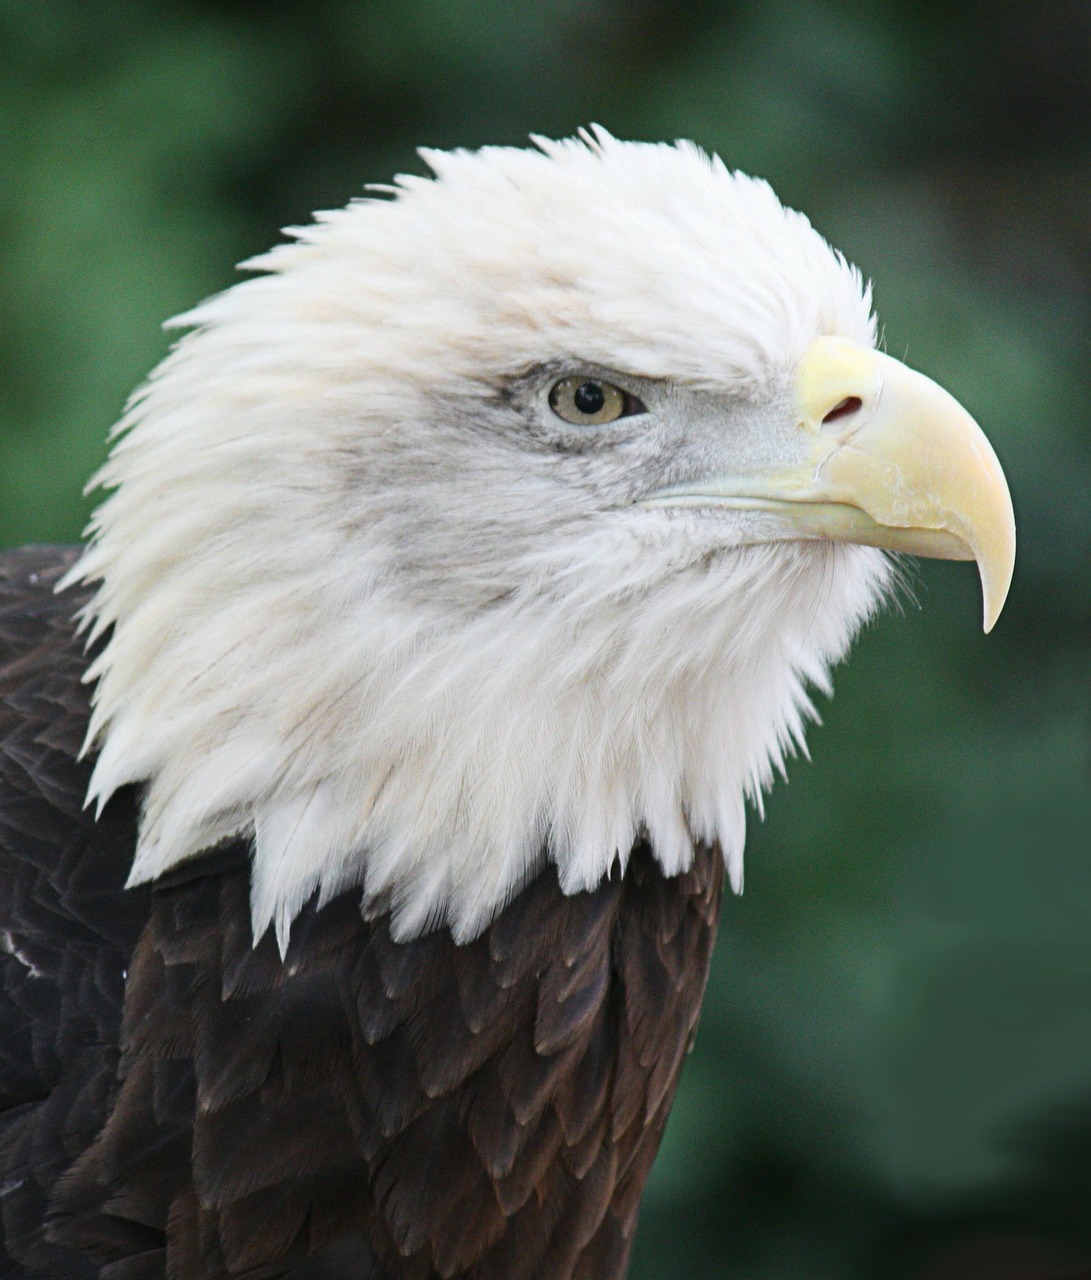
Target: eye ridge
588, 401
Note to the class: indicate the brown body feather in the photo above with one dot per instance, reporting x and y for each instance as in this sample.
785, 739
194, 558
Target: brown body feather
180, 1104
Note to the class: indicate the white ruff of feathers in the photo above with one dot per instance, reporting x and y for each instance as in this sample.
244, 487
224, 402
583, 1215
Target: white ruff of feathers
356, 620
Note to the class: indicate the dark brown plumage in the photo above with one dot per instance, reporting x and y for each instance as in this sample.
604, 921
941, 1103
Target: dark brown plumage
178, 1103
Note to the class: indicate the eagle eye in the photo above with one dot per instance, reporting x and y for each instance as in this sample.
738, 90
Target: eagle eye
590, 402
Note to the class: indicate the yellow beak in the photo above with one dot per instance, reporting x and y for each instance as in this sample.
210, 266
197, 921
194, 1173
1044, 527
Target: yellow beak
885, 457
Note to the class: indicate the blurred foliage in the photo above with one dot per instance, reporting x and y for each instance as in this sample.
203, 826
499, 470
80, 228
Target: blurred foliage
894, 1064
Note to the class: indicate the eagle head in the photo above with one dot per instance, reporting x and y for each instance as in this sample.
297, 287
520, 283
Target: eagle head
508, 515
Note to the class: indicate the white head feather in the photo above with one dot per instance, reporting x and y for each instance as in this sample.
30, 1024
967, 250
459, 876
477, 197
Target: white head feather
376, 607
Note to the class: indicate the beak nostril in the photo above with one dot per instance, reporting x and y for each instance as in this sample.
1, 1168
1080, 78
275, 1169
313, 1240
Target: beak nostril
842, 409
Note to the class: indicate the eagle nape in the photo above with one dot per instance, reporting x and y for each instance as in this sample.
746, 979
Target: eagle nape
370, 775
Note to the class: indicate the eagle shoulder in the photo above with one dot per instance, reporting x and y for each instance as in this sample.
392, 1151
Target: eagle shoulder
399, 1110
66, 927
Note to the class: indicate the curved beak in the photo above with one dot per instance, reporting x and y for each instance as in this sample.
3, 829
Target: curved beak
882, 456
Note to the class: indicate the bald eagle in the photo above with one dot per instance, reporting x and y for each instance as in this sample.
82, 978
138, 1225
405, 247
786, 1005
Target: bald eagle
369, 777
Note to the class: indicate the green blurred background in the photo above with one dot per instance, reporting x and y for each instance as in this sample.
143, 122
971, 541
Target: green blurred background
893, 1075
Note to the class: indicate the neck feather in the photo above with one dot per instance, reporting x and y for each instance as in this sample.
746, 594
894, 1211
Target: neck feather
438, 761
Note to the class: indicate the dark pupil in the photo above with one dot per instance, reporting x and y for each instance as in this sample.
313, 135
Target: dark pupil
589, 398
